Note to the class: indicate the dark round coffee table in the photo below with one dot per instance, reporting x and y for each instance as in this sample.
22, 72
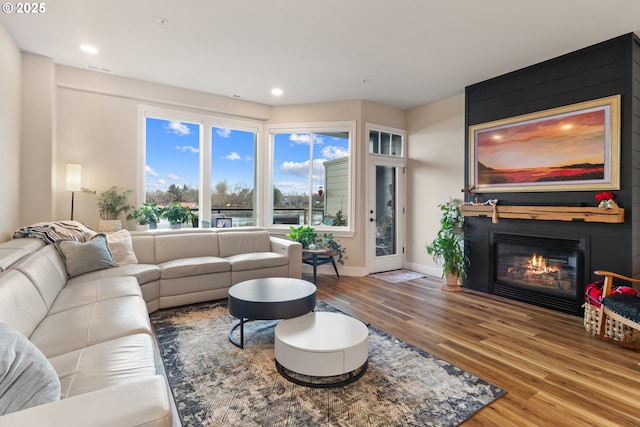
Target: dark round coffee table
269, 299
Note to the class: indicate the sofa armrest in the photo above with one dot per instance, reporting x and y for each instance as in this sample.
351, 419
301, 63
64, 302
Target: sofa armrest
145, 402
291, 249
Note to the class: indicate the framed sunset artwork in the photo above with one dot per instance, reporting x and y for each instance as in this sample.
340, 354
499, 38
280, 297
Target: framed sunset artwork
570, 148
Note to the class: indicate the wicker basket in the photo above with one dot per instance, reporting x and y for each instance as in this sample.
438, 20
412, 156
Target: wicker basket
613, 329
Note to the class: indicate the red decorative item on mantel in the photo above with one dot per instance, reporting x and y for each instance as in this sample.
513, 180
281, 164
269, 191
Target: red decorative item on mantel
605, 195
605, 200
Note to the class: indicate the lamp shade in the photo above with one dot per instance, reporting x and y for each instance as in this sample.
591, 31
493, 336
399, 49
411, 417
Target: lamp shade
73, 177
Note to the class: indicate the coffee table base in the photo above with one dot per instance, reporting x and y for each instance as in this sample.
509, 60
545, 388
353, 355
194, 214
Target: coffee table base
322, 382
233, 328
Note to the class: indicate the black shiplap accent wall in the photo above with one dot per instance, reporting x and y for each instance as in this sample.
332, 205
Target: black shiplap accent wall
608, 68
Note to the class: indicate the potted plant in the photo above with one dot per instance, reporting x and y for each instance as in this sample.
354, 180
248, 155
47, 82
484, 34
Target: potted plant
452, 217
447, 248
111, 204
148, 215
176, 214
304, 234
327, 241
309, 238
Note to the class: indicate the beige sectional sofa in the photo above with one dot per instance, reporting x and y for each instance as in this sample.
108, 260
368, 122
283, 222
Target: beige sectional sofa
94, 329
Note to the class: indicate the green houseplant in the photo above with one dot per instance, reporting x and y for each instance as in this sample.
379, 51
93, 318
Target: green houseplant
177, 214
304, 234
448, 246
308, 236
148, 214
111, 204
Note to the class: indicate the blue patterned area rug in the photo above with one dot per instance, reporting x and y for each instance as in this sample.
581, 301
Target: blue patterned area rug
215, 383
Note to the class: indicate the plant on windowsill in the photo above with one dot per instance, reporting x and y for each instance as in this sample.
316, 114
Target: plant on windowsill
177, 215
148, 214
111, 204
447, 248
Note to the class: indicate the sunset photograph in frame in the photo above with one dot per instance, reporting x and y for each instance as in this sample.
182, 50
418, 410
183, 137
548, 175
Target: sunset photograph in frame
569, 148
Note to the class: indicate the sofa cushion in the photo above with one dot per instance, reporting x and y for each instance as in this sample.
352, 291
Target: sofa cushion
83, 291
255, 260
13, 250
21, 306
185, 245
121, 247
193, 267
242, 242
91, 324
45, 268
105, 364
145, 273
82, 258
26, 377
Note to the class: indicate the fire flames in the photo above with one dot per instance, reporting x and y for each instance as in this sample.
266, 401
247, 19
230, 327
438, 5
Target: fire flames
538, 265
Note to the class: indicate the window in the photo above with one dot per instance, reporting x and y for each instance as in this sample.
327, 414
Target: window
172, 162
386, 143
311, 175
212, 172
233, 176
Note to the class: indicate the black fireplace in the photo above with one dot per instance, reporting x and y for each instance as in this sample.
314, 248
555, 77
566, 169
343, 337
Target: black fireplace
541, 270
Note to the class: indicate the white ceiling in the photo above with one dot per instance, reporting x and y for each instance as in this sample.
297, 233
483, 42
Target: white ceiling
402, 53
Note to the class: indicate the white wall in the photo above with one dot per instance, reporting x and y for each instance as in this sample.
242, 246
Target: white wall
10, 86
435, 173
38, 147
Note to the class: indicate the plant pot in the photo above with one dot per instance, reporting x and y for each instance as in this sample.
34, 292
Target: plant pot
109, 225
175, 225
451, 283
153, 225
142, 227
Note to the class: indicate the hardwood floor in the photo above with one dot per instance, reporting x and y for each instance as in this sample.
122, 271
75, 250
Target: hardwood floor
554, 372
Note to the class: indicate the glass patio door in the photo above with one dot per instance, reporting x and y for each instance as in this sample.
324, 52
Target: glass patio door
386, 216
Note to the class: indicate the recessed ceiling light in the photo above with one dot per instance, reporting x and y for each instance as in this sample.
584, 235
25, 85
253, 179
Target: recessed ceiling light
276, 91
162, 21
89, 49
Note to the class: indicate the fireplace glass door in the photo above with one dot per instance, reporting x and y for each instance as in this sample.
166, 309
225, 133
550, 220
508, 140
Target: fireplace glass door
548, 266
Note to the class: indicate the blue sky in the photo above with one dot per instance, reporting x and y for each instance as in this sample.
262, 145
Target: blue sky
172, 156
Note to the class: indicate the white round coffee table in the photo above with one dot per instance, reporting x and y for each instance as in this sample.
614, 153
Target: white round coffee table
321, 349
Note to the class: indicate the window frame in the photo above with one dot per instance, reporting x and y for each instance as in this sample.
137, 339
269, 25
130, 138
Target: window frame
312, 128
206, 123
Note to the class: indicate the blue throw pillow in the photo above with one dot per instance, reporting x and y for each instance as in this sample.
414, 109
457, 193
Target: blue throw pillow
26, 377
80, 258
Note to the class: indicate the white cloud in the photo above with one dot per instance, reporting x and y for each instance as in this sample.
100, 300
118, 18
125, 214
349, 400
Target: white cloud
300, 138
160, 183
150, 171
178, 128
232, 156
173, 176
302, 169
223, 132
248, 158
334, 152
296, 168
185, 148
287, 187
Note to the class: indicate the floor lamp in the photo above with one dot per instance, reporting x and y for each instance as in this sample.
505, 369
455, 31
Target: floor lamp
72, 180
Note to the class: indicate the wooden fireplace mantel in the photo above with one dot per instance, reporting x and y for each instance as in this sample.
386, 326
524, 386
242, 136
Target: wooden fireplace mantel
555, 213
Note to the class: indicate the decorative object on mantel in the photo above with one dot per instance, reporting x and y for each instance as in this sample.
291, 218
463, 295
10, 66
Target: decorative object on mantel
491, 202
111, 203
614, 215
447, 247
605, 200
